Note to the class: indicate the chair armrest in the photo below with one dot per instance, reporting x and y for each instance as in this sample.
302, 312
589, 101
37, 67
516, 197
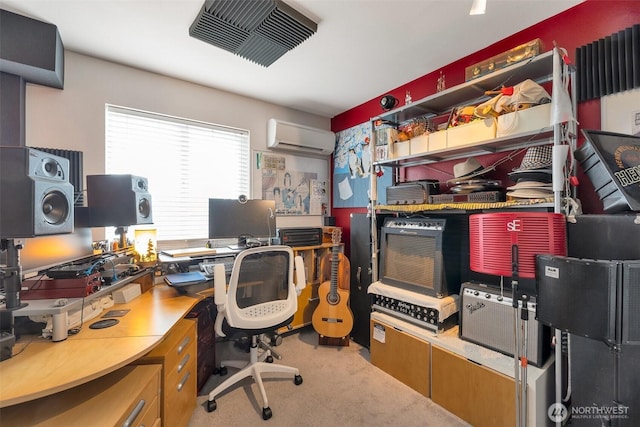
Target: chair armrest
217, 326
219, 285
301, 280
219, 296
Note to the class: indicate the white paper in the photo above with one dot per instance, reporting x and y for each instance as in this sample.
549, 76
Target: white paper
345, 189
378, 333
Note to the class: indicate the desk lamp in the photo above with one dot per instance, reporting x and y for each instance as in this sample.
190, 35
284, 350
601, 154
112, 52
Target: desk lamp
506, 244
145, 245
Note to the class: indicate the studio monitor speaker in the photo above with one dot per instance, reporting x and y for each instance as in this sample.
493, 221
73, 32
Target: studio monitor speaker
118, 200
36, 197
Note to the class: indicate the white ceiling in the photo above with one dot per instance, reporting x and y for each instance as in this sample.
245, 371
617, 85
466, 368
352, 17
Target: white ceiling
362, 48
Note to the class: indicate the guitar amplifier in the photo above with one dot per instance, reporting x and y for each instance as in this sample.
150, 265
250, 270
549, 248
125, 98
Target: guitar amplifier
412, 193
487, 319
435, 314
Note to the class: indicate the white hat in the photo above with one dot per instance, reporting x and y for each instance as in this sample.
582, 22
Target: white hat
466, 168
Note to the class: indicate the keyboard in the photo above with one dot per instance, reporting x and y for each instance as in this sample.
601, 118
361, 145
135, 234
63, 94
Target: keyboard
208, 267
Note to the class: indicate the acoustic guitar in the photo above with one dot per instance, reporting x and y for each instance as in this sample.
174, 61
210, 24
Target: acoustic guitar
333, 317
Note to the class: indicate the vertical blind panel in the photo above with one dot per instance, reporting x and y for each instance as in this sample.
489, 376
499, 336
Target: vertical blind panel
186, 163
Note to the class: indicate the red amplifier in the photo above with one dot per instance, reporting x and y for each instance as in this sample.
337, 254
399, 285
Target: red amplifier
46, 288
493, 237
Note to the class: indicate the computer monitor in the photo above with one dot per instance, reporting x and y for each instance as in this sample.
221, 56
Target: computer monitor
252, 220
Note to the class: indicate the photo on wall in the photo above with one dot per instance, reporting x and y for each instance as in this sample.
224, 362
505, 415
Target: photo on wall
295, 192
353, 167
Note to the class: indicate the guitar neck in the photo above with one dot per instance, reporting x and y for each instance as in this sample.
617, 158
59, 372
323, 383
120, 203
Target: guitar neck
334, 268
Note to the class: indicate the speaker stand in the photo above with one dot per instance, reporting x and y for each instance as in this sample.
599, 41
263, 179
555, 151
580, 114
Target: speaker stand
520, 346
10, 279
122, 232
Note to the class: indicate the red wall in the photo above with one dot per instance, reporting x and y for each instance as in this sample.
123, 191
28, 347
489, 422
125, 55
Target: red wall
575, 27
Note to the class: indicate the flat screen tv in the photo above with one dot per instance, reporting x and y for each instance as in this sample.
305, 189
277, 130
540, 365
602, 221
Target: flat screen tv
250, 220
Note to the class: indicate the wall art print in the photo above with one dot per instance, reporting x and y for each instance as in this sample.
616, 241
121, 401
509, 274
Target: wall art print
353, 167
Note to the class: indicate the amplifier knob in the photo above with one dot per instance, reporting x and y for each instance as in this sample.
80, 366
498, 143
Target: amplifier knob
476, 293
500, 298
487, 296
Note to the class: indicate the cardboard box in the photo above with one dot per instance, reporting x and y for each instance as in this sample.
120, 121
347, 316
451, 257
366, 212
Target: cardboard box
438, 140
419, 144
527, 120
476, 131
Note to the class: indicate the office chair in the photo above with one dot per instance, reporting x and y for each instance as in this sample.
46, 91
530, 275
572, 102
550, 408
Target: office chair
261, 298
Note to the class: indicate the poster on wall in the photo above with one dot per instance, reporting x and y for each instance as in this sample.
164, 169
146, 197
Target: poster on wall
353, 167
297, 184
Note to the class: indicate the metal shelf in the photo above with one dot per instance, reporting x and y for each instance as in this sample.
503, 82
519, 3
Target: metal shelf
511, 142
538, 69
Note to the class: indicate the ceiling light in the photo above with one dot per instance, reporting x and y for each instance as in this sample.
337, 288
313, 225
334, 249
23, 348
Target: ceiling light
258, 30
478, 7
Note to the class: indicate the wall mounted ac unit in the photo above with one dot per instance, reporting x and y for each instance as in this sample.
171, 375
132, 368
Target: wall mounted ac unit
299, 138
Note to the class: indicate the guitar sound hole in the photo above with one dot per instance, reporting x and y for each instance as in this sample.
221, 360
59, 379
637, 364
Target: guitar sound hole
333, 299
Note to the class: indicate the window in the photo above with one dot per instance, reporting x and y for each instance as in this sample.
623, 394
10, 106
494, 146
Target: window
186, 162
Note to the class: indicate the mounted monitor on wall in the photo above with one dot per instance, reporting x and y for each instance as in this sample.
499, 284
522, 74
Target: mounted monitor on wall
249, 221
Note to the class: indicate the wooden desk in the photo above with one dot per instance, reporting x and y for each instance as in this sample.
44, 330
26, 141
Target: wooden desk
43, 367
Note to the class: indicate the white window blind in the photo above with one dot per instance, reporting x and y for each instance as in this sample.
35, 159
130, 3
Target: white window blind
186, 162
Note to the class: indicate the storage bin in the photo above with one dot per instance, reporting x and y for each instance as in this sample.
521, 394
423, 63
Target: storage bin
419, 144
401, 149
438, 140
476, 131
527, 120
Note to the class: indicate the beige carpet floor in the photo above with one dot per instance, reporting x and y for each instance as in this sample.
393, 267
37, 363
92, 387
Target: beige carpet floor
340, 388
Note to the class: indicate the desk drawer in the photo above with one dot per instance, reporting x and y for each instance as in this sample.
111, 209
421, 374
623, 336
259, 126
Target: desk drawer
178, 355
152, 416
172, 349
108, 400
145, 408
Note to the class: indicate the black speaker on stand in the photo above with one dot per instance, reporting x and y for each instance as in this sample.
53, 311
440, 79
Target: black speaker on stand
118, 200
36, 198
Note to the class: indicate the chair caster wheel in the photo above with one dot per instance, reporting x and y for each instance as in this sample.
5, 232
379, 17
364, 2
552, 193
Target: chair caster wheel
297, 380
269, 359
211, 405
223, 370
266, 413
276, 340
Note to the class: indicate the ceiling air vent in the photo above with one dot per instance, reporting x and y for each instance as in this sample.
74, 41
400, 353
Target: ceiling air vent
258, 30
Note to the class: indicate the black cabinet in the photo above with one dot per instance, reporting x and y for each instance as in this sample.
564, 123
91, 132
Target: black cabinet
360, 258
